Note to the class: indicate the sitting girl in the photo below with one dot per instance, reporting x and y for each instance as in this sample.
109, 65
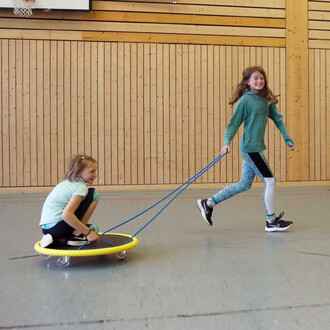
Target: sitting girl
70, 204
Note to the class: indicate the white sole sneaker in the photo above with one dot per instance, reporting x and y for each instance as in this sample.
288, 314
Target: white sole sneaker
46, 240
272, 229
201, 209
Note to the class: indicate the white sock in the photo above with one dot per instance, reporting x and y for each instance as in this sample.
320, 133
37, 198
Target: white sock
210, 202
270, 218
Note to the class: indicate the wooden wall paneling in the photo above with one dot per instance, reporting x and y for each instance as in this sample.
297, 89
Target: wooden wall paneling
87, 99
146, 113
46, 113
323, 115
186, 151
5, 112
217, 110
311, 118
172, 109
160, 112
198, 110
172, 18
107, 115
11, 156
327, 84
153, 114
243, 62
317, 100
140, 105
235, 143
61, 160
316, 26
176, 17
134, 115
229, 109
223, 113
53, 112
235, 3
114, 115
271, 127
197, 9
120, 115
33, 111
127, 113
100, 98
19, 112
166, 91
93, 120
278, 137
178, 145
67, 124
210, 112
297, 87
282, 104
319, 5
80, 104
192, 111
74, 133
2, 131
39, 164
275, 75
204, 111
166, 38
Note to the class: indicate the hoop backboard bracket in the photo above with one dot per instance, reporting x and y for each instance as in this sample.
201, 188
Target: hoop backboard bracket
68, 5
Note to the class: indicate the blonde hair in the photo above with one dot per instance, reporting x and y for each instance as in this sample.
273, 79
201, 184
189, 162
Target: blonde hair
243, 86
77, 164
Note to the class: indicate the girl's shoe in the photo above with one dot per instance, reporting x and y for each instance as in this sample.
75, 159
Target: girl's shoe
277, 224
205, 210
46, 240
77, 240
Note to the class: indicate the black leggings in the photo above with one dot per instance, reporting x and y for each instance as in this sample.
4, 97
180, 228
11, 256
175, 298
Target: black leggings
62, 229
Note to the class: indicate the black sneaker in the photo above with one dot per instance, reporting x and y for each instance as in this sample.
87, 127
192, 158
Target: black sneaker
278, 225
205, 210
77, 240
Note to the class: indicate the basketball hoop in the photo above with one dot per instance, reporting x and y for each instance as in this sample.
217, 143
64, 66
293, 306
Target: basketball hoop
23, 8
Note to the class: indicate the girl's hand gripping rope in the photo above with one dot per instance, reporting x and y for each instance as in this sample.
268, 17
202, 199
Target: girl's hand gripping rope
224, 150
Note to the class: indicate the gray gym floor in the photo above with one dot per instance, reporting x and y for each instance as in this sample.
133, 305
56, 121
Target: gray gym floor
183, 274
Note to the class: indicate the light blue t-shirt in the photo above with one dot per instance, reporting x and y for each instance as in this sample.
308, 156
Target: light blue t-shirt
58, 199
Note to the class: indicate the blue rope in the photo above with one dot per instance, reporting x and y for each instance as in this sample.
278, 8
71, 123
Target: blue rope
189, 181
183, 186
102, 240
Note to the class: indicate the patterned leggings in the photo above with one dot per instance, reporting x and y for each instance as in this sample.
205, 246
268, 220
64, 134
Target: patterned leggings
253, 164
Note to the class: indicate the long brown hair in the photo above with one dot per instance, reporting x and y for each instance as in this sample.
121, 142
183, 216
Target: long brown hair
77, 164
243, 86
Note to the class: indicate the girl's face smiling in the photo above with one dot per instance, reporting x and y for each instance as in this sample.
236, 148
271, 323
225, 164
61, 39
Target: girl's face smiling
88, 174
256, 82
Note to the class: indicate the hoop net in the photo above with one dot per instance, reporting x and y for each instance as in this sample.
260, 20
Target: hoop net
23, 8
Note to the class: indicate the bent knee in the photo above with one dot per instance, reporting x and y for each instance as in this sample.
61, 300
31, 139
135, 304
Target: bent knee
245, 185
270, 182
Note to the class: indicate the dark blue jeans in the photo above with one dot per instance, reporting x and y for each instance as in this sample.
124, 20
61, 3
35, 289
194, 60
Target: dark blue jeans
62, 229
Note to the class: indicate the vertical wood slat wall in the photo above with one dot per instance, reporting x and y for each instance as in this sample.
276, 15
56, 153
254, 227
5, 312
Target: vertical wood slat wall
319, 90
153, 114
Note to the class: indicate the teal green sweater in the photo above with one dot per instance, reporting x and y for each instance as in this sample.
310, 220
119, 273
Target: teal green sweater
253, 111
